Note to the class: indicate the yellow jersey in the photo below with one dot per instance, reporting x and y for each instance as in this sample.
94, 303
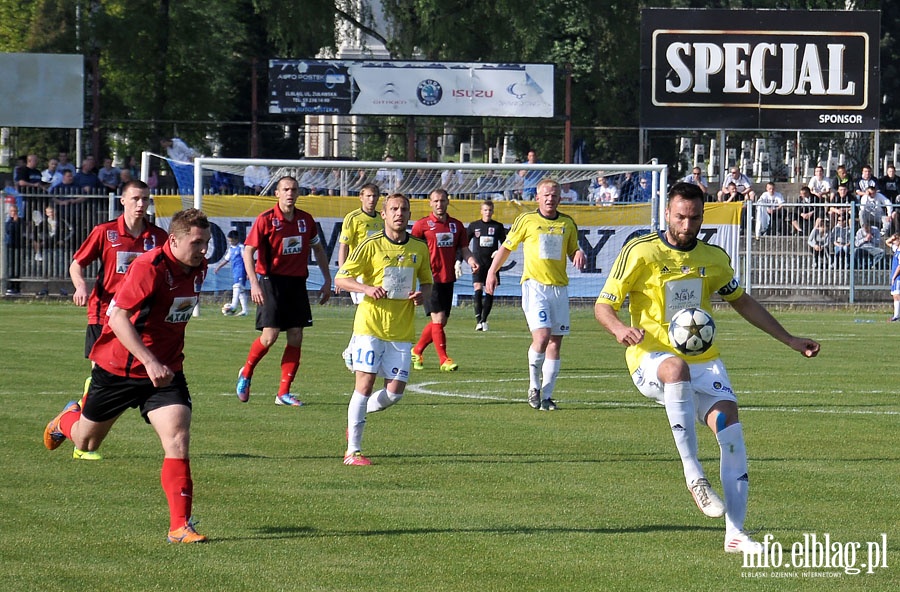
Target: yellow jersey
660, 279
398, 268
547, 246
358, 226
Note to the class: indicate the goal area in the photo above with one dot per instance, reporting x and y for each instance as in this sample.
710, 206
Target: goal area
329, 190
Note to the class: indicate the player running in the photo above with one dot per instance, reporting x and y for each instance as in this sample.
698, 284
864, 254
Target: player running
390, 264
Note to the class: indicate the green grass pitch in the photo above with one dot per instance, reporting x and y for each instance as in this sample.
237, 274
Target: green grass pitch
471, 489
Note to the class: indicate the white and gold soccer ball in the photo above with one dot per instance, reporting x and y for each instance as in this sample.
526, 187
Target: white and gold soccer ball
227, 310
692, 331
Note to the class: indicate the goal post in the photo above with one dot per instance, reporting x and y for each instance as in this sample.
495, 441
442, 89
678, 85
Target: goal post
329, 191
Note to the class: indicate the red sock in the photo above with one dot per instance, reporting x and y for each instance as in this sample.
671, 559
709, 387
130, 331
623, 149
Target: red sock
440, 341
424, 340
179, 489
67, 421
290, 361
257, 353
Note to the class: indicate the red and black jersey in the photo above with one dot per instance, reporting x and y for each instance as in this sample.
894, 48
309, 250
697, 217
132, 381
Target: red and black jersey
116, 249
283, 246
444, 239
162, 295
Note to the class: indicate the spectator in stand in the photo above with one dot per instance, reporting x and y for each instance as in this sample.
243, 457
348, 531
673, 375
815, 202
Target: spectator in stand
839, 207
389, 179
697, 178
730, 193
628, 188
804, 216
818, 243
256, 177
841, 177
125, 177
840, 241
14, 240
530, 178
604, 194
176, 149
51, 237
742, 183
86, 179
108, 176
567, 194
864, 182
28, 176
130, 164
643, 193
873, 208
66, 185
889, 184
64, 164
869, 252
769, 211
819, 185
51, 176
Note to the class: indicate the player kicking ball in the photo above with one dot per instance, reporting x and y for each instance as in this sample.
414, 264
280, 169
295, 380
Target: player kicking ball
385, 268
661, 274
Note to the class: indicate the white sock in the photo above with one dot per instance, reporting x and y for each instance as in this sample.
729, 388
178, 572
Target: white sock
535, 367
679, 401
550, 370
235, 296
733, 472
356, 421
243, 298
897, 308
382, 400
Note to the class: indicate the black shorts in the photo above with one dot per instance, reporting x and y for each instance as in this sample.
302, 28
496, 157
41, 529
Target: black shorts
91, 335
285, 303
110, 395
441, 298
480, 276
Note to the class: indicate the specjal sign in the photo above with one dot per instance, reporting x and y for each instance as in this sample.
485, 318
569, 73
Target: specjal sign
760, 69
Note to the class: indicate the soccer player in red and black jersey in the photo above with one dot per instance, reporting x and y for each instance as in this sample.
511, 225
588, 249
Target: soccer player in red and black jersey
115, 244
282, 239
138, 362
445, 237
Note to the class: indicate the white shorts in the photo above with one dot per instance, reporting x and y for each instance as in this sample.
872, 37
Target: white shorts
709, 379
546, 307
388, 359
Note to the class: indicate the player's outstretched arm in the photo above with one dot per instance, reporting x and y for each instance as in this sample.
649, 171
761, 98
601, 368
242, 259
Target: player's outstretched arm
609, 320
757, 315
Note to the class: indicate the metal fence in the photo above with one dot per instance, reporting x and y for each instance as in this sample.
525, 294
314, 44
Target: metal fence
778, 263
38, 249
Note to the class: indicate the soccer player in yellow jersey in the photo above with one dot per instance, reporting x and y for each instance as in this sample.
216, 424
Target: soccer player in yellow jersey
358, 225
661, 274
396, 277
550, 238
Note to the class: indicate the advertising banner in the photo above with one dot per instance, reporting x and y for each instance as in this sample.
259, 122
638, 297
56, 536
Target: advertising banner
760, 69
602, 233
410, 88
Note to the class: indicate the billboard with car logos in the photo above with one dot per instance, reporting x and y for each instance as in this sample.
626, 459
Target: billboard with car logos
410, 88
760, 69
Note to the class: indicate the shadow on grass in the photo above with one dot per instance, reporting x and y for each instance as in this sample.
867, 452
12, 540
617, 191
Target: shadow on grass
291, 532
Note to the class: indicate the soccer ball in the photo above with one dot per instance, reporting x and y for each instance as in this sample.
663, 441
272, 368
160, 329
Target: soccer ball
692, 331
227, 310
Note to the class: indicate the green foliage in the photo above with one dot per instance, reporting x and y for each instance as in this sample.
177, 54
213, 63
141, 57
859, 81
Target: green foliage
470, 490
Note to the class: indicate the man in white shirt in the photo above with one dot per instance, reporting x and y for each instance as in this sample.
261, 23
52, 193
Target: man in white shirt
819, 185
176, 149
697, 178
741, 181
567, 194
768, 210
605, 194
256, 177
873, 208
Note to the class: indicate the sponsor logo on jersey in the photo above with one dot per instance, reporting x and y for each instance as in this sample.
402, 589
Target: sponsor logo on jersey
112, 235
292, 245
181, 309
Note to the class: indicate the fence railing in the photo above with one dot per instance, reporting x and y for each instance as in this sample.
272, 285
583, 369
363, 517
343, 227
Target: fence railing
776, 261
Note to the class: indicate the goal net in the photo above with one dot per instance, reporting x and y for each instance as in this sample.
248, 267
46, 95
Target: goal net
329, 191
